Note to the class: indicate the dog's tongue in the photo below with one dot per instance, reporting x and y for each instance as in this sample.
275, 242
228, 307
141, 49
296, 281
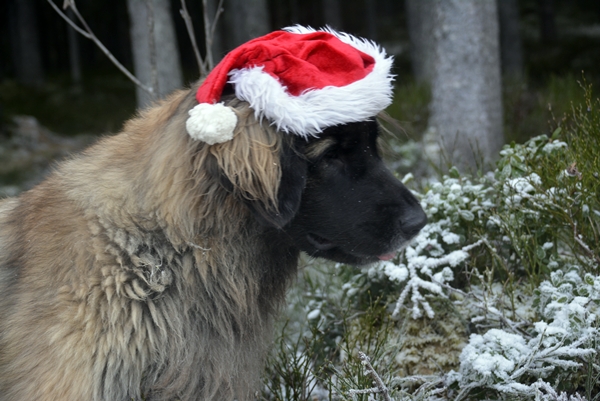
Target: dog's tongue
387, 256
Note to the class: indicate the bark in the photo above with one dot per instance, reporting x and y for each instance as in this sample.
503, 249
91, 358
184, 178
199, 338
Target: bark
218, 47
245, 20
26, 49
511, 48
371, 17
74, 53
256, 18
332, 14
466, 107
294, 11
548, 31
420, 21
168, 66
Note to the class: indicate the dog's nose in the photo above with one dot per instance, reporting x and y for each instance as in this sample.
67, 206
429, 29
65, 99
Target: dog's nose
414, 221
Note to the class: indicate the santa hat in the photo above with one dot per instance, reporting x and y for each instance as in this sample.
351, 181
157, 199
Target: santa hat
300, 79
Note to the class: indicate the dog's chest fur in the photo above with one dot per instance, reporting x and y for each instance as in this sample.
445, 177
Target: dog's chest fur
190, 307
134, 315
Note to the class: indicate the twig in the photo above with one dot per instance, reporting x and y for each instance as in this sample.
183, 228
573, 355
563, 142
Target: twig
585, 247
415, 282
218, 13
66, 5
381, 387
190, 29
209, 31
90, 35
483, 305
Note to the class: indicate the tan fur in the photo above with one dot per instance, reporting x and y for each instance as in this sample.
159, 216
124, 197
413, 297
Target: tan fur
316, 149
131, 273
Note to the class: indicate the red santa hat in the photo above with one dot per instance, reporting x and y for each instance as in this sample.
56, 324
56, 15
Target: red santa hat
300, 79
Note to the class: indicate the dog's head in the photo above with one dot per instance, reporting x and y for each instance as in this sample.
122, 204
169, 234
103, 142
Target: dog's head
332, 194
353, 210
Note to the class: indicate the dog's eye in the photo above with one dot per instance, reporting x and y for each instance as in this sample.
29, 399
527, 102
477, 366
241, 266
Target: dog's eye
333, 157
332, 153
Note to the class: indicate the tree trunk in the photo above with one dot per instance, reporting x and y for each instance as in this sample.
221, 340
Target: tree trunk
466, 107
257, 19
511, 49
218, 47
168, 67
371, 18
420, 20
74, 54
332, 14
245, 20
547, 13
294, 12
27, 56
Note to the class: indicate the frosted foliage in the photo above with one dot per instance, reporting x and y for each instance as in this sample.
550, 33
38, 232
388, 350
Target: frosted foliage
426, 265
520, 188
529, 339
570, 304
564, 338
530, 149
493, 356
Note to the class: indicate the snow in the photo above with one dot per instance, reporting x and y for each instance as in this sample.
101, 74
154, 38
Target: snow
565, 336
450, 238
494, 353
312, 315
521, 188
547, 245
397, 273
554, 145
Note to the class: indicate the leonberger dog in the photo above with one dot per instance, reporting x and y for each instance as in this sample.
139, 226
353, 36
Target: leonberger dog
151, 266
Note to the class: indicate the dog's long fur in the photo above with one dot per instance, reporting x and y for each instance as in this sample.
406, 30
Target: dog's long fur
151, 265
132, 272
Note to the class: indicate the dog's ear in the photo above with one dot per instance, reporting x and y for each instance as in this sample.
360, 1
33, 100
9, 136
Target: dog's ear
289, 192
263, 168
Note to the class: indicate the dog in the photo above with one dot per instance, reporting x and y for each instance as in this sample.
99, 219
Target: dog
151, 266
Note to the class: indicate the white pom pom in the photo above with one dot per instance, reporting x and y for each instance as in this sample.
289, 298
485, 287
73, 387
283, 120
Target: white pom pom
211, 123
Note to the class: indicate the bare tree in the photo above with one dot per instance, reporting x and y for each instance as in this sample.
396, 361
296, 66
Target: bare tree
245, 20
217, 45
86, 31
294, 11
155, 56
420, 22
511, 49
466, 107
371, 19
74, 54
332, 13
79, 24
547, 12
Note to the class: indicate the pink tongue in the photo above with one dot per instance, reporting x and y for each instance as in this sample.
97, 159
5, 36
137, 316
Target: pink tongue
387, 256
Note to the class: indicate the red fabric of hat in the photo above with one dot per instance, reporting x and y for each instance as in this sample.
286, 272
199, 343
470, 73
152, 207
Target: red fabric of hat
299, 61
299, 79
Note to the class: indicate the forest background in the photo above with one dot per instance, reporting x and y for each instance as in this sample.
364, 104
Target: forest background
498, 297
